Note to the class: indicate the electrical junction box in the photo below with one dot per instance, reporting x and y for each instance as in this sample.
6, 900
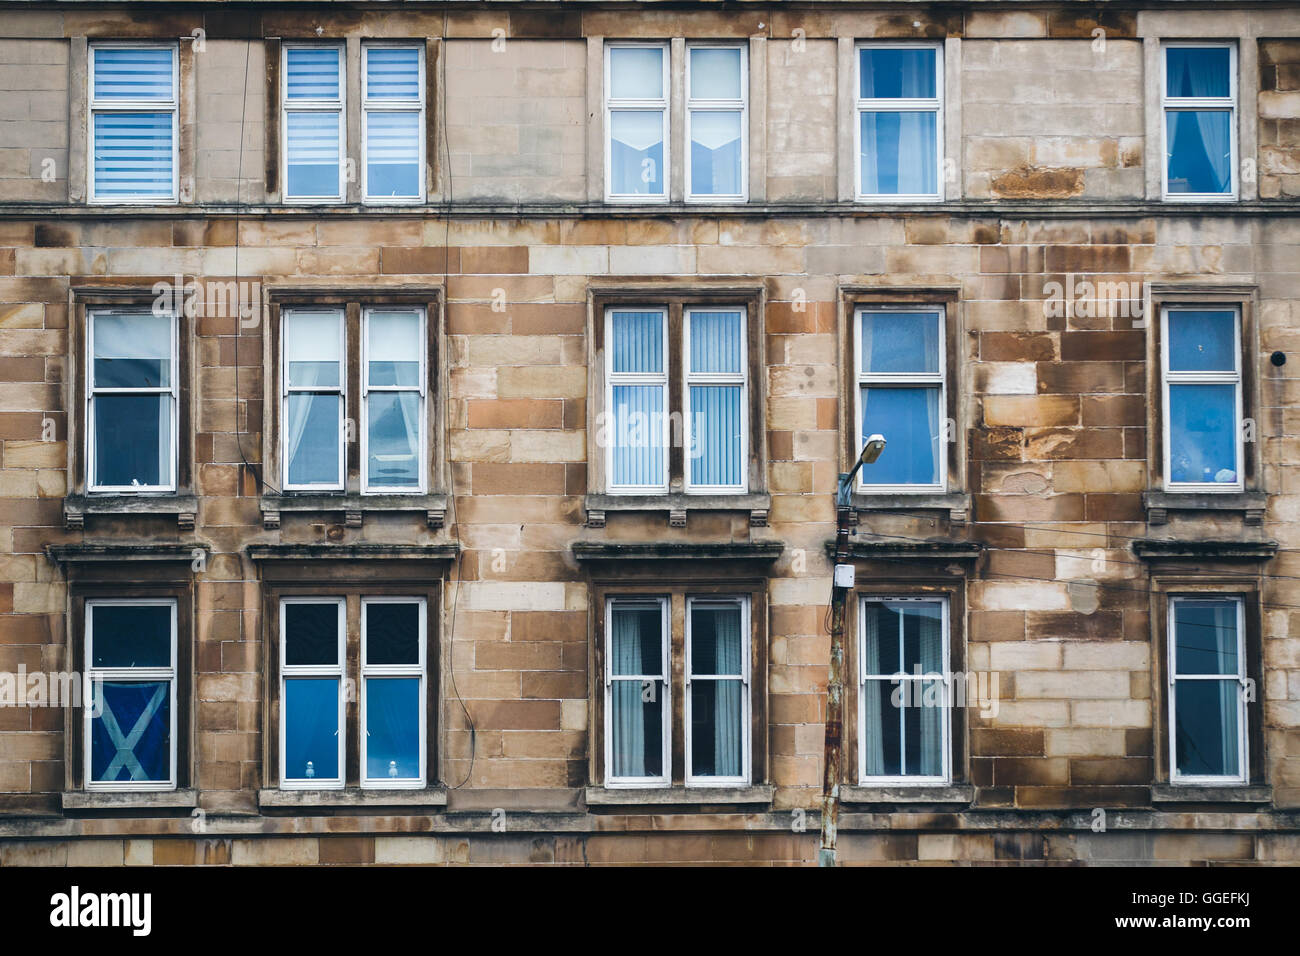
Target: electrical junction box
844, 575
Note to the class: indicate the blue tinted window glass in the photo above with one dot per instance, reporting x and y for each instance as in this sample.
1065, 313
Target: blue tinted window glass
1202, 341
133, 155
636, 640
311, 728
393, 154
715, 153
897, 74
715, 73
312, 438
130, 731
313, 73
129, 635
637, 342
393, 441
133, 73
1205, 636
1200, 151
636, 162
393, 73
909, 420
393, 728
1198, 71
636, 73
132, 440
637, 442
313, 154
899, 153
1203, 433
715, 435
900, 342
716, 341
1205, 732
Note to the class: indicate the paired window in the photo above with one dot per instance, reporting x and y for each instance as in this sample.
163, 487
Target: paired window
636, 119
1202, 380
393, 122
1207, 690
639, 691
711, 420
133, 122
315, 689
898, 122
132, 400
315, 129
1199, 101
130, 722
901, 394
393, 393
905, 725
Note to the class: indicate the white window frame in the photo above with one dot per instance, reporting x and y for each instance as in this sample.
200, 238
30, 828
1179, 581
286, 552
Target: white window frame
659, 379
92, 391
741, 602
1234, 378
1243, 735
901, 379
338, 106
341, 390
1170, 104
369, 106
660, 104
724, 106
97, 107
898, 105
366, 388
95, 676
945, 678
690, 378
290, 671
665, 676
380, 671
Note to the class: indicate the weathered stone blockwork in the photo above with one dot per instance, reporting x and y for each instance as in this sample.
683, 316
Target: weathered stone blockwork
1054, 438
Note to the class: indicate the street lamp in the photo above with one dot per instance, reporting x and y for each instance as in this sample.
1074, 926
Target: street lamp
842, 584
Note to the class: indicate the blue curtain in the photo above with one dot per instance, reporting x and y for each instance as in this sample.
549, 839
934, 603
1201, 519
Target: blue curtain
393, 728
131, 737
311, 716
899, 153
896, 74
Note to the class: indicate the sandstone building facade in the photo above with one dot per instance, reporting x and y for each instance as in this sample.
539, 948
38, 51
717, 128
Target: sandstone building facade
421, 423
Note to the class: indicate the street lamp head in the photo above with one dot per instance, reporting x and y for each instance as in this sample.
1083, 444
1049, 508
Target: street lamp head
872, 449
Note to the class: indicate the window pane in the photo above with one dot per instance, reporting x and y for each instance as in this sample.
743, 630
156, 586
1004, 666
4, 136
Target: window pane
894, 74
909, 420
715, 435
636, 152
715, 153
133, 155
312, 435
899, 153
133, 351
392, 73
638, 435
130, 737
393, 154
1202, 433
311, 728
922, 637
133, 440
636, 73
880, 634
393, 728
923, 728
1205, 636
637, 341
1206, 732
717, 728
636, 728
1200, 151
311, 633
1202, 341
717, 645
716, 341
1197, 71
393, 348
882, 753
393, 632
715, 73
313, 73
133, 73
900, 341
127, 635
636, 640
313, 349
313, 150
393, 442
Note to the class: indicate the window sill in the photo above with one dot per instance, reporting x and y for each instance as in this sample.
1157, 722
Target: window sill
759, 795
431, 798
956, 503
678, 505
130, 799
1158, 504
959, 793
151, 504
1211, 793
354, 506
